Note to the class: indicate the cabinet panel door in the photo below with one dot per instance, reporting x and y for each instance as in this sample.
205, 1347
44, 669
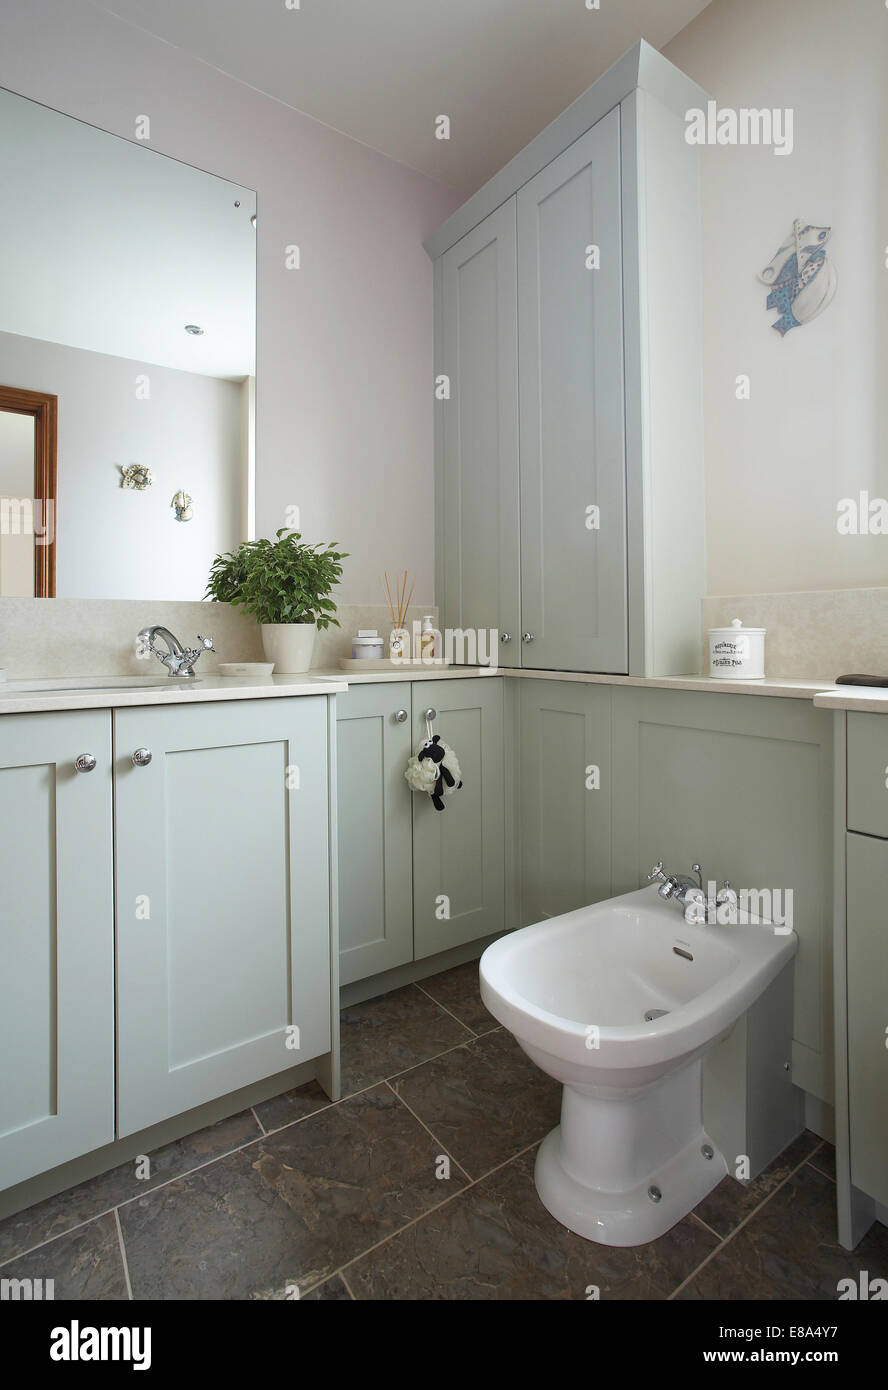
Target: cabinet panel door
565, 779
56, 942
459, 853
868, 774
867, 869
573, 559
744, 786
223, 902
375, 831
478, 491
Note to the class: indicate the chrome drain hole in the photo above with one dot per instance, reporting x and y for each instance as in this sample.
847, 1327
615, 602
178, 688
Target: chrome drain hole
654, 1013
655, 1194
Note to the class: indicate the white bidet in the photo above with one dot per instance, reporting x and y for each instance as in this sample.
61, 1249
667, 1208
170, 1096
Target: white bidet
619, 1001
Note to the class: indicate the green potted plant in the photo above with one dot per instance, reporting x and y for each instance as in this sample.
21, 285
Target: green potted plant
285, 585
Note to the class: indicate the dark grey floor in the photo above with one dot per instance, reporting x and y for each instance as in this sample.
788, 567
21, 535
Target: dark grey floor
418, 1185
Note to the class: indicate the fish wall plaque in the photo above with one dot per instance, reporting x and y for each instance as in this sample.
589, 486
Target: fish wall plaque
135, 475
802, 281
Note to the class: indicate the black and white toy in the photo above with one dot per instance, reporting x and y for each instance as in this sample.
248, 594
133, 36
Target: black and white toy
434, 769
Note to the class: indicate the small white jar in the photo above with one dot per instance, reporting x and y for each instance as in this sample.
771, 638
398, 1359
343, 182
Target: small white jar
367, 645
737, 652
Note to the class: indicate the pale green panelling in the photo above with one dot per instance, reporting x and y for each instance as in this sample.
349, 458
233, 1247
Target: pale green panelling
57, 935
375, 830
223, 899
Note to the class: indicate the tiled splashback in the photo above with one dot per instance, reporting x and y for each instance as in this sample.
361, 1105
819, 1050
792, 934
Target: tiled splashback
815, 635
97, 637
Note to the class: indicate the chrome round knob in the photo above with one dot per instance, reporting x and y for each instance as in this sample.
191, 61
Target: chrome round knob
141, 757
85, 763
527, 637
505, 637
401, 716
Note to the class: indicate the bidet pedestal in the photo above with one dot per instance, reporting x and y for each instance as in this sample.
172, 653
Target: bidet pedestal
625, 1166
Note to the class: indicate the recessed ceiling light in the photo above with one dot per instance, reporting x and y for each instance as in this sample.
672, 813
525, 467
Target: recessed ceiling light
194, 329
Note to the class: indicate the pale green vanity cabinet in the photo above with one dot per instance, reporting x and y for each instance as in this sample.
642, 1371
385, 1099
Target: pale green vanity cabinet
867, 965
565, 794
459, 853
56, 941
374, 731
223, 905
868, 774
414, 881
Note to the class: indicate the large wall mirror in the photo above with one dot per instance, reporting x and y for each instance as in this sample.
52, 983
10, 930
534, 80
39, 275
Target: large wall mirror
127, 364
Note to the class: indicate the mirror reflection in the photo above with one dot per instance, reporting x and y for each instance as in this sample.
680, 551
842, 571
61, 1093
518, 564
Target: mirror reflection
127, 364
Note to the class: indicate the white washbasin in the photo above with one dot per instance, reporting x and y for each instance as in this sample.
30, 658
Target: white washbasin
100, 684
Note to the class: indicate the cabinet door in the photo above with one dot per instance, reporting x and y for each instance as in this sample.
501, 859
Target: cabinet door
565, 780
478, 487
868, 774
375, 843
459, 853
573, 474
56, 941
223, 903
867, 868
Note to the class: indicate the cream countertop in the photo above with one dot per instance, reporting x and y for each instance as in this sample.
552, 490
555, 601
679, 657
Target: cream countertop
30, 697
779, 686
24, 696
869, 699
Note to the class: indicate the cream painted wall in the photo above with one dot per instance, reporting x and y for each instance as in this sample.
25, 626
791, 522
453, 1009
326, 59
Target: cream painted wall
816, 427
344, 363
116, 542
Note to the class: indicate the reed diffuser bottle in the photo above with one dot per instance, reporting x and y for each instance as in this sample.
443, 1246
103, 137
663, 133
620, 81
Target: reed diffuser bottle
399, 637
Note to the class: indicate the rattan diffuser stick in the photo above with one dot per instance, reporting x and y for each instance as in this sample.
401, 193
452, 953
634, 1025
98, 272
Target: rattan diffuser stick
399, 614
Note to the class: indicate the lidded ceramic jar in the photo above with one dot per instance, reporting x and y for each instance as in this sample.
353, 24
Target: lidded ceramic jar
737, 652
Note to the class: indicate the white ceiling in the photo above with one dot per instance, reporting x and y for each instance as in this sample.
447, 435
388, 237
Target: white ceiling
111, 247
382, 70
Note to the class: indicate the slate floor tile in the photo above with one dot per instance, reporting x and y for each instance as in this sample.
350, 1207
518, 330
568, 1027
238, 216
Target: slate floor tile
732, 1201
459, 992
88, 1199
85, 1263
497, 1241
789, 1249
386, 1035
292, 1105
289, 1210
824, 1160
485, 1101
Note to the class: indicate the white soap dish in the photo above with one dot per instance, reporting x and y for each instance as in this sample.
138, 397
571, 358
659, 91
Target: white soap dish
246, 668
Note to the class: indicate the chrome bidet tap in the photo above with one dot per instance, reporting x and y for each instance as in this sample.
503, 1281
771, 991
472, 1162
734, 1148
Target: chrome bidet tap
689, 895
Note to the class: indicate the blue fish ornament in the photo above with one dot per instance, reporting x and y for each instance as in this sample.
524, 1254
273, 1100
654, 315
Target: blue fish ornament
802, 281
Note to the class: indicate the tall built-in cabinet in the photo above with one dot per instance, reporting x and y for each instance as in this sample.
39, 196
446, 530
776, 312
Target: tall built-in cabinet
569, 489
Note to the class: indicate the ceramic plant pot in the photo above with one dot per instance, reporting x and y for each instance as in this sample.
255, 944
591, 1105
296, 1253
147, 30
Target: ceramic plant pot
290, 646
